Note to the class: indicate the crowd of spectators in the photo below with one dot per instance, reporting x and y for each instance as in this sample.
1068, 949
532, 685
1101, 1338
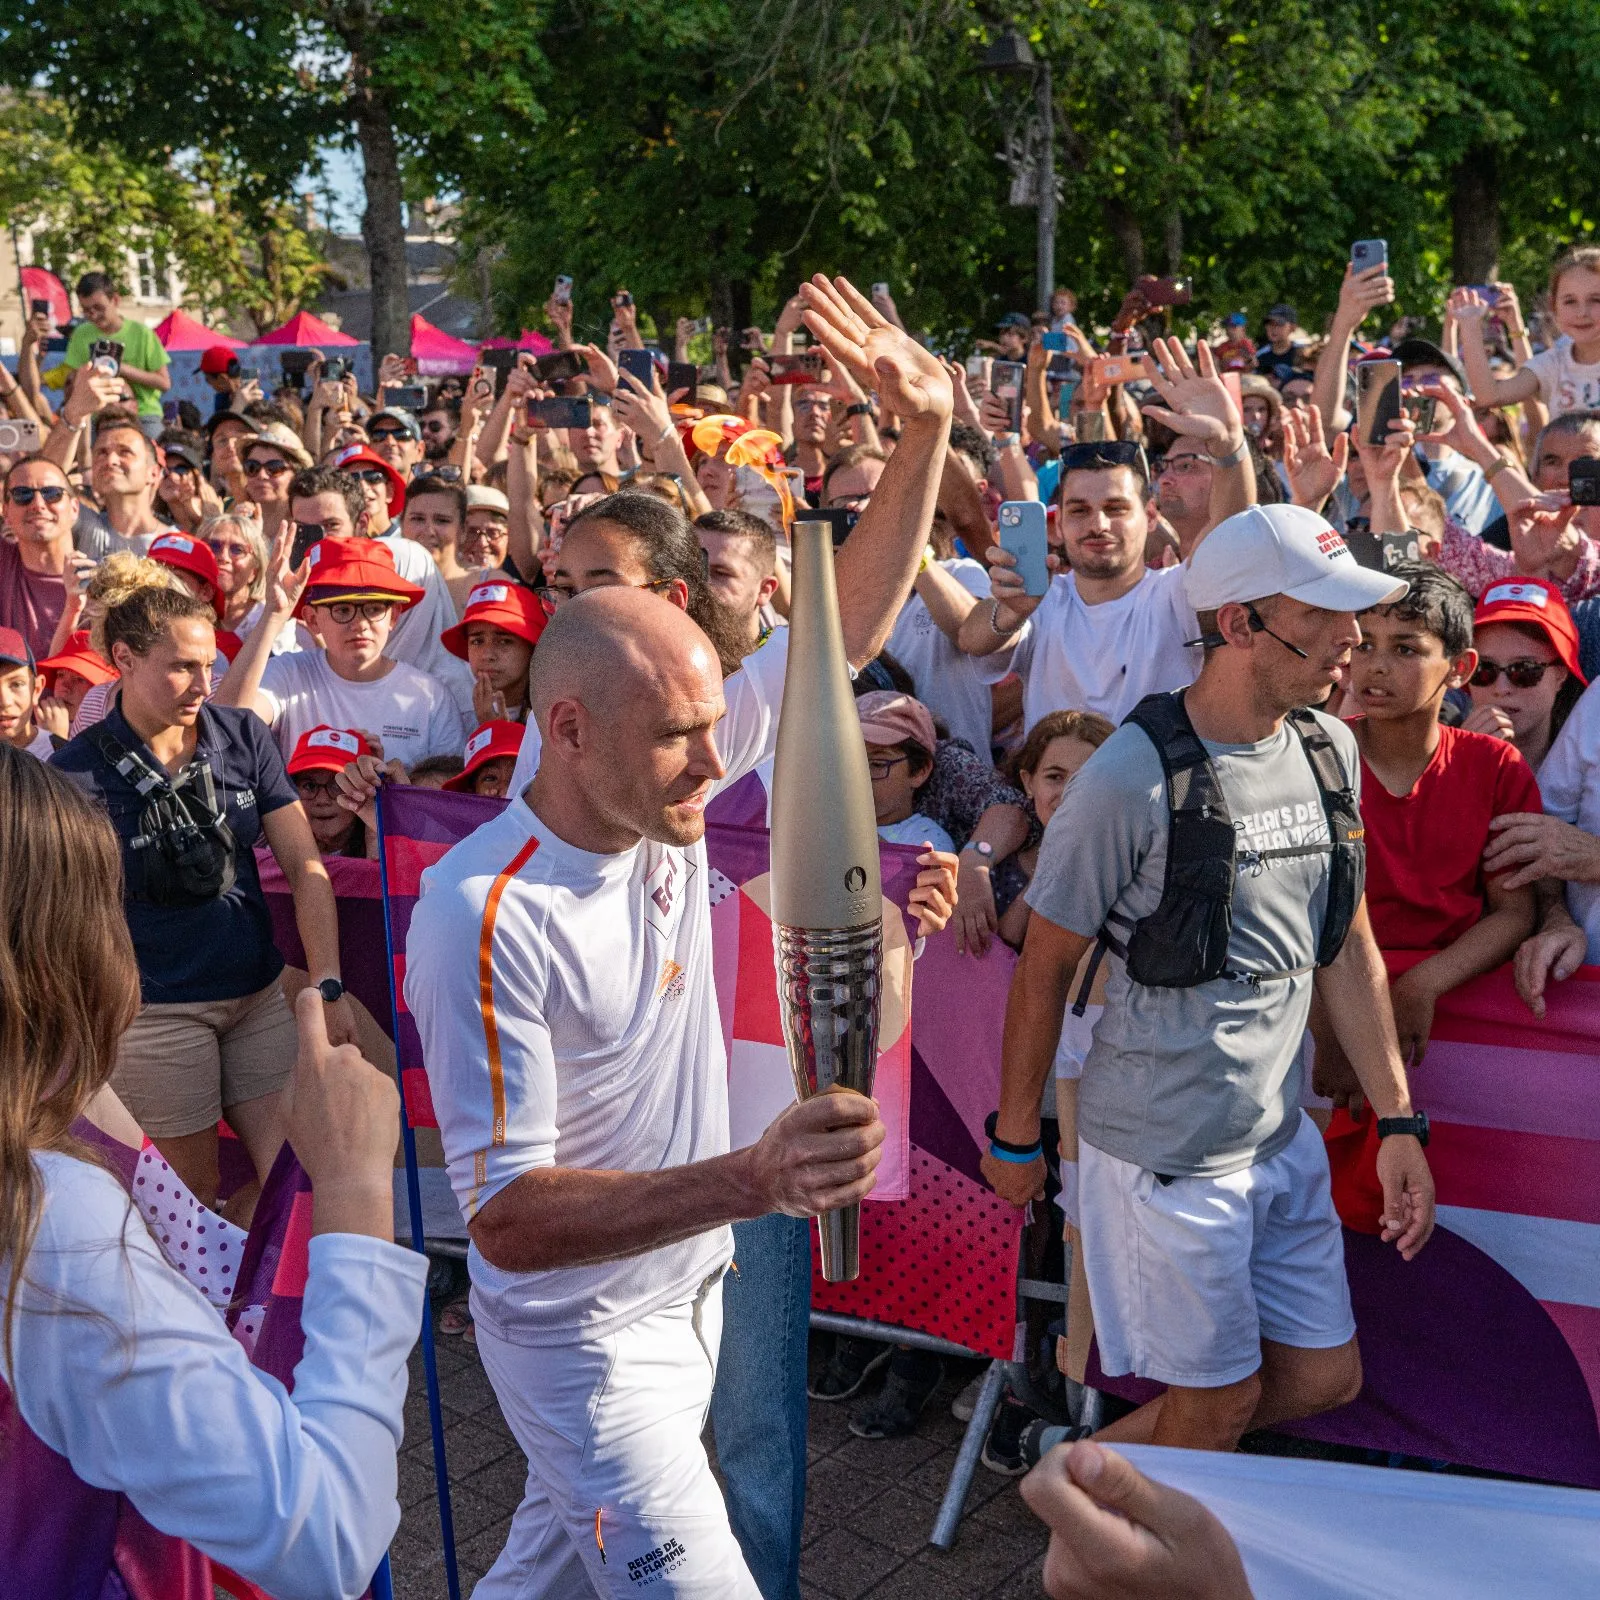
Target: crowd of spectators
227, 630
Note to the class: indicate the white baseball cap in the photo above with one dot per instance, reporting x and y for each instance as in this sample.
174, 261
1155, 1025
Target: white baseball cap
1283, 549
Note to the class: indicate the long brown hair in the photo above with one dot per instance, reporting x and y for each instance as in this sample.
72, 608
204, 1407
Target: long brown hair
69, 984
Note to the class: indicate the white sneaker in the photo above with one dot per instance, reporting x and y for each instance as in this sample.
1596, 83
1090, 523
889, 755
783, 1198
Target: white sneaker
965, 1403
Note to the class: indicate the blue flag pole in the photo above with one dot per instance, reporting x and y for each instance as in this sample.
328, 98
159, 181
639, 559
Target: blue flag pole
430, 1365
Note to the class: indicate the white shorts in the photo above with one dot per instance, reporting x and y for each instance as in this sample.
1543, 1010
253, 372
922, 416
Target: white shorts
1187, 1278
620, 1499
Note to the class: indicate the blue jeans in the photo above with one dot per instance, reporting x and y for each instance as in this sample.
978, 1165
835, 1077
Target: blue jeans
758, 1407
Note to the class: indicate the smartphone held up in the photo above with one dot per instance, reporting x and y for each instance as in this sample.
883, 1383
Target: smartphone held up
1024, 535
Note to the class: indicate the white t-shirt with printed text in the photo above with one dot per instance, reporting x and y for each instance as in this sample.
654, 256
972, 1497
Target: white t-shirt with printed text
1566, 384
412, 713
569, 1018
950, 684
1107, 657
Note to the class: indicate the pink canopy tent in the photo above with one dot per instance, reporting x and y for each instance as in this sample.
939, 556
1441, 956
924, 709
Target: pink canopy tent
527, 340
304, 329
437, 353
179, 331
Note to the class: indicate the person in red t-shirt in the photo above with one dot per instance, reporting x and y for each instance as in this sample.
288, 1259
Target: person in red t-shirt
1428, 795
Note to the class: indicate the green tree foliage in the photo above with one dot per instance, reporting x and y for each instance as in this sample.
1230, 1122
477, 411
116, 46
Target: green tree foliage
710, 153
88, 204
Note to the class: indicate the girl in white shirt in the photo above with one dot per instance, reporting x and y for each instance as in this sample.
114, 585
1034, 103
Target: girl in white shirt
118, 1381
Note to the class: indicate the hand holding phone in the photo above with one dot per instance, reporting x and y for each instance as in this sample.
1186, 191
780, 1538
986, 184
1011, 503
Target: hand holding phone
1024, 535
1005, 384
562, 294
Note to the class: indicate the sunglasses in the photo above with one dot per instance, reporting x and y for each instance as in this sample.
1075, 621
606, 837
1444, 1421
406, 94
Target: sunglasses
441, 475
23, 494
344, 611
180, 469
231, 552
372, 475
388, 433
1520, 674
1105, 453
270, 469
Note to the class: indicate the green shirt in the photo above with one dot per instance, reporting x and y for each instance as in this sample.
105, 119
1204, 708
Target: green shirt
140, 348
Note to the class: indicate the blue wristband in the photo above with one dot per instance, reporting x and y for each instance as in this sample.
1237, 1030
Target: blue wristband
1014, 1158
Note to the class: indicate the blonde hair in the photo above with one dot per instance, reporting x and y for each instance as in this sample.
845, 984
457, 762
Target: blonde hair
248, 529
69, 983
117, 579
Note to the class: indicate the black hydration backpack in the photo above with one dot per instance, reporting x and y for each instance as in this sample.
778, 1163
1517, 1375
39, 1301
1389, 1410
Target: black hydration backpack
1184, 941
185, 842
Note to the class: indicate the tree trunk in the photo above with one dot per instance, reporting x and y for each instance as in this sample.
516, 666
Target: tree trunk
1129, 236
1174, 239
383, 225
1475, 216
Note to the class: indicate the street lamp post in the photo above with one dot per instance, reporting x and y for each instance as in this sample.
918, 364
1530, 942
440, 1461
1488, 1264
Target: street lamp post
1010, 55
1045, 245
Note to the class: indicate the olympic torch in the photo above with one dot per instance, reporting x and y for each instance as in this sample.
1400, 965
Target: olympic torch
827, 896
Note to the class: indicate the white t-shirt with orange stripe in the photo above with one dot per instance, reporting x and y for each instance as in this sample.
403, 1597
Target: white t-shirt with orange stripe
568, 1018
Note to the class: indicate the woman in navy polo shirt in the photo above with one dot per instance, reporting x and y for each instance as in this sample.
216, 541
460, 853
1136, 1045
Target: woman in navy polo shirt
190, 789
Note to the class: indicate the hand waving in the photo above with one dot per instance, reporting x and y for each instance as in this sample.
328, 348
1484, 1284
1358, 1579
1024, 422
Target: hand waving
1314, 470
1197, 400
859, 338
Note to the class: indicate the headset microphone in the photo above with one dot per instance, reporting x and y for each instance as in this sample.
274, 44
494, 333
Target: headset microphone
1258, 626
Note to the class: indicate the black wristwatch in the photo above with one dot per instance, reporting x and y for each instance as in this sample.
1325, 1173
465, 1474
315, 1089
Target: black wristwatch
859, 409
1416, 1126
330, 989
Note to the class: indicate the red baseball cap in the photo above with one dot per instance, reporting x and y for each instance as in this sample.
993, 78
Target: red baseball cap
327, 749
355, 569
355, 457
507, 605
488, 743
81, 657
217, 360
1539, 604
14, 651
183, 554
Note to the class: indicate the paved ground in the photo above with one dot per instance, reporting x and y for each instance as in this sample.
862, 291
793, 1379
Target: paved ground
870, 1506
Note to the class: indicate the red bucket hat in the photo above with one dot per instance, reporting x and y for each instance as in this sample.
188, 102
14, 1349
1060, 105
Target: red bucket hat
183, 554
327, 749
354, 457
1540, 604
489, 743
355, 569
507, 605
78, 656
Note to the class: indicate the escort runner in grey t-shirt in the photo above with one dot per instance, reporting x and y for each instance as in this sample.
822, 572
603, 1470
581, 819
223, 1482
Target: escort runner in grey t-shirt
1204, 1081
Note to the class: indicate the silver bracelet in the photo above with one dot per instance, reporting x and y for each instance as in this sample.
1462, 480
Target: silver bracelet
1234, 456
994, 622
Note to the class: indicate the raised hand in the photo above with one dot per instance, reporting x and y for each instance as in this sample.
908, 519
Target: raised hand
643, 410
1197, 400
1467, 305
1360, 292
285, 583
1542, 532
1314, 470
602, 369
857, 336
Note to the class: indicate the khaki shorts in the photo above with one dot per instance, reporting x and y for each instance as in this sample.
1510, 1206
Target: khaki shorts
180, 1066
